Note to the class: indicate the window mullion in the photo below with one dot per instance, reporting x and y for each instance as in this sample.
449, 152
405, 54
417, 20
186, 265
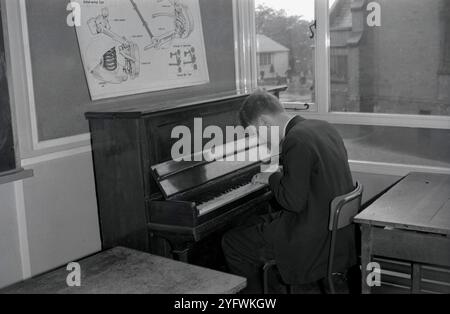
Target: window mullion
322, 57
245, 44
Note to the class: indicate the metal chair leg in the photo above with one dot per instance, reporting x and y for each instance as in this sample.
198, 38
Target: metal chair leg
289, 289
266, 268
331, 284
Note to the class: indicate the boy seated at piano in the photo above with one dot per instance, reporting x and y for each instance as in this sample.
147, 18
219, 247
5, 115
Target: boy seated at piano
315, 170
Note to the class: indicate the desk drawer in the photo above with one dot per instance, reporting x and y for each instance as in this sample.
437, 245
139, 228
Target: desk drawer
396, 277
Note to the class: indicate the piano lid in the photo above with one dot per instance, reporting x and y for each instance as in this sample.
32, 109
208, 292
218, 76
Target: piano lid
138, 105
174, 177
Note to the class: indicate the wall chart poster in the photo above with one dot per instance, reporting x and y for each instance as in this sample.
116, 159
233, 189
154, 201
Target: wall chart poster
137, 46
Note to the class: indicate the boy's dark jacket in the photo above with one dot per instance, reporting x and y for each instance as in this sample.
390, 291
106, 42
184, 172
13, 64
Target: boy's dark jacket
315, 170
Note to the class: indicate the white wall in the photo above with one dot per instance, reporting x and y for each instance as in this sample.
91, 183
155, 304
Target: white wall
58, 215
50, 219
10, 261
61, 212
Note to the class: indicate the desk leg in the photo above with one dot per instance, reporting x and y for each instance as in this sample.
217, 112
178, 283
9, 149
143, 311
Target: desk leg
415, 278
366, 256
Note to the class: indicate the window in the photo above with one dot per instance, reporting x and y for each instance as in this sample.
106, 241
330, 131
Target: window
265, 59
446, 52
285, 49
395, 68
393, 78
338, 68
445, 31
397, 145
7, 152
386, 88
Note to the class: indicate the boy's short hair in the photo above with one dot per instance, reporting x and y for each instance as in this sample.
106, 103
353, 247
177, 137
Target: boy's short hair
257, 104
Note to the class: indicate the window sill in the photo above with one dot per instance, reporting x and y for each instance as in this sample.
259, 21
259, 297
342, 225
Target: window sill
392, 169
15, 175
381, 119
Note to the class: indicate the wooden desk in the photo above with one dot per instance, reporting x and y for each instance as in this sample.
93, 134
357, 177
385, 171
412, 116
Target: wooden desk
122, 270
410, 222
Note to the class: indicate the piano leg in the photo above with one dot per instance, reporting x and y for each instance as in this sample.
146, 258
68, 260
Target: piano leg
182, 254
206, 253
202, 246
171, 248
160, 246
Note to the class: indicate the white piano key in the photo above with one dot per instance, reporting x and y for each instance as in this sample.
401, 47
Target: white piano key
228, 197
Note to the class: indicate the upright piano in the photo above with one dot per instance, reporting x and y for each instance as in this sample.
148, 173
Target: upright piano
150, 202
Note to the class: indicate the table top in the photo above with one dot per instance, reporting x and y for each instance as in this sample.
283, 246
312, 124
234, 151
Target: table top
420, 202
121, 270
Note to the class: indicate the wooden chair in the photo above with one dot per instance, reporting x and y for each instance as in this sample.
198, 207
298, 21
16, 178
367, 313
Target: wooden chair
342, 210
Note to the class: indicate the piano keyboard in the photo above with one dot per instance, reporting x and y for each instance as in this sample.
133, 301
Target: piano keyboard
228, 197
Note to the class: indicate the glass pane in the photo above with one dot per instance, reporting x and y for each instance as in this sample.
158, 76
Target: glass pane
285, 51
400, 65
408, 146
7, 153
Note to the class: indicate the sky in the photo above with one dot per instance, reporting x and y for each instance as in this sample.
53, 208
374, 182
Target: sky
293, 7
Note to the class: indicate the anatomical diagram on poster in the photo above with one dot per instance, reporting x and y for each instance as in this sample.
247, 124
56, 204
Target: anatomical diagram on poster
138, 46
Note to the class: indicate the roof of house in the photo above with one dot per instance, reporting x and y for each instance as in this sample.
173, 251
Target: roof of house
341, 14
266, 44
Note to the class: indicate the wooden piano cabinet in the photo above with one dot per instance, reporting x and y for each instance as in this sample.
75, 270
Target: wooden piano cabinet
119, 170
126, 144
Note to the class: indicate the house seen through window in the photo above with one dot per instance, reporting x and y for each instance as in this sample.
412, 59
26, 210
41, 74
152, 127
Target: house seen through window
285, 51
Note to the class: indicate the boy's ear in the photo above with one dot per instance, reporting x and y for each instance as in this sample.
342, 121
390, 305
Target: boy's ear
258, 122
265, 120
